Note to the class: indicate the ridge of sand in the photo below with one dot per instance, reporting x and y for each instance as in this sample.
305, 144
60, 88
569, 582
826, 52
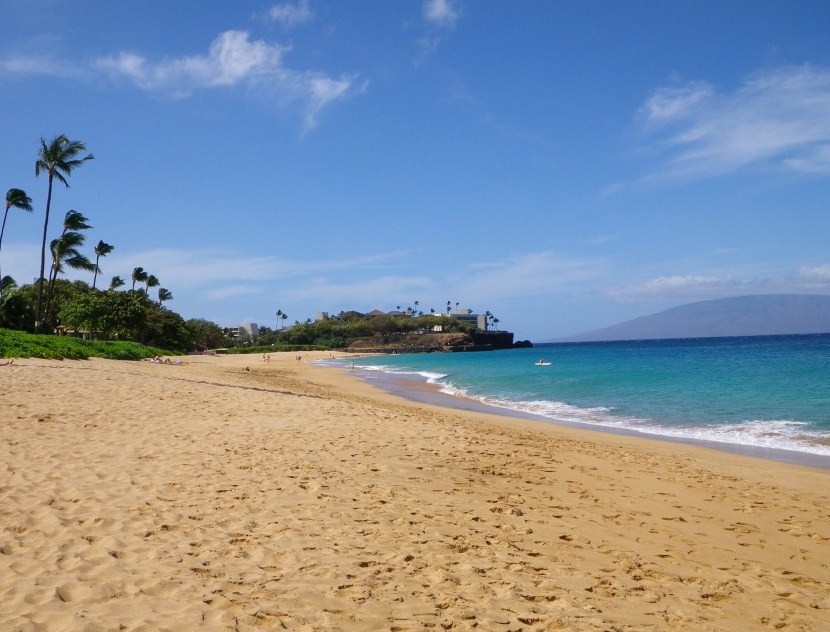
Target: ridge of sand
206, 496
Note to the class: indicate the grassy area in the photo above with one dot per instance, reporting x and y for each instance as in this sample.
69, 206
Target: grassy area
19, 344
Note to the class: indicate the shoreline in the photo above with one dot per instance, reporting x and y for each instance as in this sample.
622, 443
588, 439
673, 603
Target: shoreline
421, 391
231, 494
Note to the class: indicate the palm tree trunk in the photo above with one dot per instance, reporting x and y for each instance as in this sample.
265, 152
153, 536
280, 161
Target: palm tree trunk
50, 286
3, 230
43, 254
95, 276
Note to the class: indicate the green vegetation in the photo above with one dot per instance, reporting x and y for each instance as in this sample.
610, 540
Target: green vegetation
54, 305
19, 344
348, 328
121, 313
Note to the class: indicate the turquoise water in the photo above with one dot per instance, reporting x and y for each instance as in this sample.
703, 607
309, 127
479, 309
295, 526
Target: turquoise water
771, 391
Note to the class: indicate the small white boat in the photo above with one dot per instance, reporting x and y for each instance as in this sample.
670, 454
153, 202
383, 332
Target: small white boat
542, 363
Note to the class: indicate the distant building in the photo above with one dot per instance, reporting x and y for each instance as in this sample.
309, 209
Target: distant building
246, 331
479, 321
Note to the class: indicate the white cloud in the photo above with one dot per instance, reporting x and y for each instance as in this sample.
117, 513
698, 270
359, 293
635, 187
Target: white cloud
377, 291
815, 277
291, 14
205, 268
39, 65
443, 13
234, 59
779, 117
528, 275
231, 291
231, 59
812, 162
439, 15
677, 287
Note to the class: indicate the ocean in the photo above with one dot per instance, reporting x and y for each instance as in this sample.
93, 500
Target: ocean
767, 392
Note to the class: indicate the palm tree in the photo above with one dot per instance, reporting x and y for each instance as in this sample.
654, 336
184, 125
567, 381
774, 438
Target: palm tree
116, 282
7, 283
138, 276
284, 318
279, 316
150, 281
57, 159
101, 250
15, 198
164, 295
65, 251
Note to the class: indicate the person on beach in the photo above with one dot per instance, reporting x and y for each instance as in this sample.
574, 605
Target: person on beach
8, 362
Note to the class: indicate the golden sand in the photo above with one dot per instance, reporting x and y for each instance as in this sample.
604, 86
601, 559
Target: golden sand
136, 496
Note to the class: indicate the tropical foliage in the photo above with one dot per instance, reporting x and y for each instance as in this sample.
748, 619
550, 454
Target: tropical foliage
15, 198
19, 344
52, 304
57, 159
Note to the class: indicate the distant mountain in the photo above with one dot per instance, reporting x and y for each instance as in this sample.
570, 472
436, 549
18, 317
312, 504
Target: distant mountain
761, 315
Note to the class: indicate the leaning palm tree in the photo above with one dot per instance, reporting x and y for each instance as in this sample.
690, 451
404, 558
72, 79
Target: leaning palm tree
101, 250
116, 282
65, 253
15, 198
150, 281
7, 283
138, 276
58, 159
164, 295
65, 248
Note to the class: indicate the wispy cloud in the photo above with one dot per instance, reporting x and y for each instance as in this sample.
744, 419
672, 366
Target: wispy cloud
195, 268
364, 280
527, 275
290, 15
380, 290
815, 279
778, 118
40, 65
440, 16
441, 13
233, 59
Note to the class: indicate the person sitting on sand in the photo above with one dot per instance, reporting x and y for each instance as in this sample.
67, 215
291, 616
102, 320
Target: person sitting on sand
8, 362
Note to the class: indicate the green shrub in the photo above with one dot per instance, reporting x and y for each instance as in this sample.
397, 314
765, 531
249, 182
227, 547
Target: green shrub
19, 344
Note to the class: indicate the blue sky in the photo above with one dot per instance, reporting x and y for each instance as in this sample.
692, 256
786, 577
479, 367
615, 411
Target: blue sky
564, 165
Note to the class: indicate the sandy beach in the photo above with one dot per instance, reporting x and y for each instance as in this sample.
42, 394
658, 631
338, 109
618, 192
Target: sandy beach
231, 494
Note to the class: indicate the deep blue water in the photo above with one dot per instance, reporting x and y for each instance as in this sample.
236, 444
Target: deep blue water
771, 391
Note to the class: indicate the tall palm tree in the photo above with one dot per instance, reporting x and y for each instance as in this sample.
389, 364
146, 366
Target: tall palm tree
15, 198
138, 276
101, 250
279, 316
58, 159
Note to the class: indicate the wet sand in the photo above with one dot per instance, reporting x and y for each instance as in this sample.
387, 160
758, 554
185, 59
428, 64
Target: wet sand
230, 494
